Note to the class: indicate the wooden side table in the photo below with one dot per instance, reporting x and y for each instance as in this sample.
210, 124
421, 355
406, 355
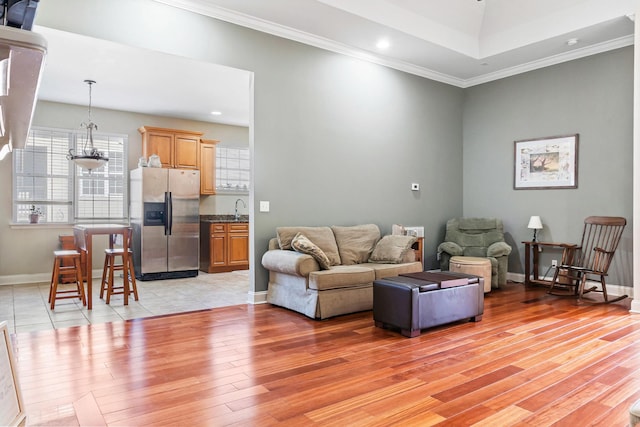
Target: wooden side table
531, 246
418, 249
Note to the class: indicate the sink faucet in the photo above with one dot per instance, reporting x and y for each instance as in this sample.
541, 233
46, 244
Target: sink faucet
237, 216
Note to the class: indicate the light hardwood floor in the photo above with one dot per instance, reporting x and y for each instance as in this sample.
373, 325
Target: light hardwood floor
534, 360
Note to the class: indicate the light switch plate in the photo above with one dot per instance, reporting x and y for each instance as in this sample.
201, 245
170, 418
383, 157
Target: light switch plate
415, 186
264, 206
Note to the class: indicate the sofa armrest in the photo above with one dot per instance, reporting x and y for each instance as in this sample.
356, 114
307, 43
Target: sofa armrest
498, 249
273, 244
289, 262
451, 248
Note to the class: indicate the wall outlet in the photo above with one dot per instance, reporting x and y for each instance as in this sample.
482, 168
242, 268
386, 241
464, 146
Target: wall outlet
415, 186
554, 263
264, 206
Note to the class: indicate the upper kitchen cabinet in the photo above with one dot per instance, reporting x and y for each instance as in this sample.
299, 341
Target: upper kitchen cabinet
208, 166
176, 148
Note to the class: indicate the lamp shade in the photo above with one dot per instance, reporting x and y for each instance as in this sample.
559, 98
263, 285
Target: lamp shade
89, 162
535, 223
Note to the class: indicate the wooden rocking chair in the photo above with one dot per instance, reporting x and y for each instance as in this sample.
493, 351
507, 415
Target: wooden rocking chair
600, 239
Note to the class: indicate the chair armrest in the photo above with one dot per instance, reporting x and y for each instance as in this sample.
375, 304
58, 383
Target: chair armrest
289, 262
498, 249
451, 248
568, 253
600, 250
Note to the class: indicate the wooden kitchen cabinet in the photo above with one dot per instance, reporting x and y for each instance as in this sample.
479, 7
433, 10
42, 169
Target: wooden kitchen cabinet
218, 246
176, 148
224, 246
208, 166
238, 245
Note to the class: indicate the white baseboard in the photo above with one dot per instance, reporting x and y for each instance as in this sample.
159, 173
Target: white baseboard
25, 279
30, 279
612, 289
515, 277
257, 297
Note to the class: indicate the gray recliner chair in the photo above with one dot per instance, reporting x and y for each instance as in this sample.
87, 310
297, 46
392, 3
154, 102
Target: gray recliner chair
477, 237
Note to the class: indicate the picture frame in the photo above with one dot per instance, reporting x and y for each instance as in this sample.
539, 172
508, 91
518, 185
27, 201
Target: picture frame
12, 411
546, 163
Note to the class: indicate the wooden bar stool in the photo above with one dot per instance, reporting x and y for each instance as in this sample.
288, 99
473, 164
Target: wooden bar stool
66, 266
68, 242
126, 266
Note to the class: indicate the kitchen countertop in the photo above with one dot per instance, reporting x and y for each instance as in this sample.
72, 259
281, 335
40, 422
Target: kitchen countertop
223, 218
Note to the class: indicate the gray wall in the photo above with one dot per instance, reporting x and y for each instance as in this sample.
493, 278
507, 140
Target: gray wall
593, 97
335, 140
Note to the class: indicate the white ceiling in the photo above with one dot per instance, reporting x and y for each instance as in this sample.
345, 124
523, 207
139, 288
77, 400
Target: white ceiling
460, 42
144, 81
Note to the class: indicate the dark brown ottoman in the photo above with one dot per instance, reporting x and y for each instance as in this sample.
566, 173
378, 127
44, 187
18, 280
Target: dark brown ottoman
416, 301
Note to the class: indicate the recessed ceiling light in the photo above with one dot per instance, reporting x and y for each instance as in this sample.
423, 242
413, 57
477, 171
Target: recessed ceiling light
572, 42
383, 44
216, 113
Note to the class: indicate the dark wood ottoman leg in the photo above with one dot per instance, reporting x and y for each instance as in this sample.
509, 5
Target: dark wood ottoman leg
410, 333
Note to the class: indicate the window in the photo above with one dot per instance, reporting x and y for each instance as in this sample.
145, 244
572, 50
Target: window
64, 192
233, 168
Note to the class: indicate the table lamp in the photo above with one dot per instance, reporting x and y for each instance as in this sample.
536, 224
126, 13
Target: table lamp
535, 223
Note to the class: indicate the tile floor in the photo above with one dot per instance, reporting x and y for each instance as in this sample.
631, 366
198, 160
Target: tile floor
25, 307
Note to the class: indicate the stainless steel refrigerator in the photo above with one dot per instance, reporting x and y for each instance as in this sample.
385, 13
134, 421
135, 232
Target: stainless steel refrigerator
164, 212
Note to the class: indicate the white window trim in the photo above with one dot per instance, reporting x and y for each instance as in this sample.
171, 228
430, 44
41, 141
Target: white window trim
220, 151
74, 174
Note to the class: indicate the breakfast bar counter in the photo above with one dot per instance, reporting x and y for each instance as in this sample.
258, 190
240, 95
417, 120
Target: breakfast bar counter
84, 233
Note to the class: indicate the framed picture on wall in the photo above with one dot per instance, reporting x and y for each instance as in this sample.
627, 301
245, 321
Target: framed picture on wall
546, 163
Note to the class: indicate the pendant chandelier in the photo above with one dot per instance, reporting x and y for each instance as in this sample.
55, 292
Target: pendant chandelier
90, 158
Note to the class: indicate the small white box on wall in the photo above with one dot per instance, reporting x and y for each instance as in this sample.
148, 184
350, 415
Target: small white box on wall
414, 231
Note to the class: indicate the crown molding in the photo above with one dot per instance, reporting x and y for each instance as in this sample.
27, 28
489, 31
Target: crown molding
552, 60
202, 7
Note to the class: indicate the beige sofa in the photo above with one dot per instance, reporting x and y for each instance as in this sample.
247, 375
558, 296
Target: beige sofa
335, 276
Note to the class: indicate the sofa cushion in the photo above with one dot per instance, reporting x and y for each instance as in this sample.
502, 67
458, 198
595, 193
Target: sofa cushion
356, 243
477, 224
302, 244
341, 276
391, 270
392, 249
321, 236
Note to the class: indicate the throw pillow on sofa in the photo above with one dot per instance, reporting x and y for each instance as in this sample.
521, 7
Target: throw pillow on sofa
393, 249
320, 236
356, 243
302, 244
